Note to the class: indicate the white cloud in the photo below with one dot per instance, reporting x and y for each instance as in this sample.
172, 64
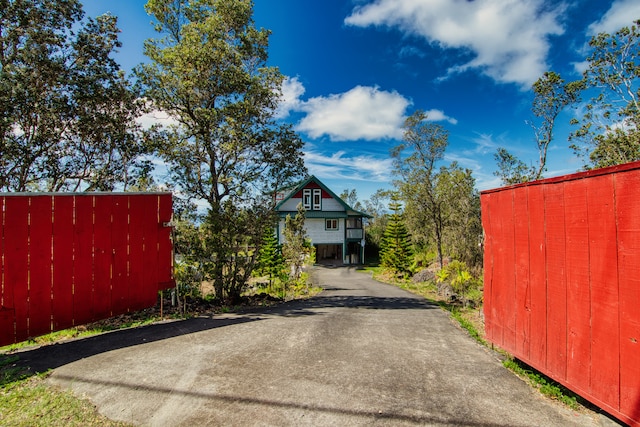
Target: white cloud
484, 144
292, 90
17, 130
361, 113
156, 117
621, 14
439, 116
580, 67
364, 112
408, 51
340, 165
508, 38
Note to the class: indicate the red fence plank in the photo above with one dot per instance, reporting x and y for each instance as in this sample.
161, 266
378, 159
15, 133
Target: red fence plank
584, 281
523, 291
62, 307
136, 251
506, 266
83, 259
150, 249
604, 290
7, 312
537, 278
40, 265
628, 220
578, 289
120, 282
69, 259
555, 238
103, 256
486, 206
165, 250
16, 263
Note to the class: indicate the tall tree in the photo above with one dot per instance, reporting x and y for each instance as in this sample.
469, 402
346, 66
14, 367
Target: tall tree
462, 227
67, 111
296, 244
350, 197
375, 206
609, 131
396, 251
208, 71
440, 202
551, 96
415, 162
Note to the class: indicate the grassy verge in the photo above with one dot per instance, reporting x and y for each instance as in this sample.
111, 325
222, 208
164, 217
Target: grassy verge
545, 385
27, 401
470, 320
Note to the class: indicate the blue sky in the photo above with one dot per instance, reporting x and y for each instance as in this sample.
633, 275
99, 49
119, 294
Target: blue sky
357, 68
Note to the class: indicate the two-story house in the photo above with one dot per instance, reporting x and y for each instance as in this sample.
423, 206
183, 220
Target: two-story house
336, 230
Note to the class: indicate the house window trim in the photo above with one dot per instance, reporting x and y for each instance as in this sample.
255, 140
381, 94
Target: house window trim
306, 199
317, 199
357, 221
327, 226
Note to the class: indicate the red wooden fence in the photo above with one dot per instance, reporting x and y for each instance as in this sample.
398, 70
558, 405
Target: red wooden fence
562, 281
69, 259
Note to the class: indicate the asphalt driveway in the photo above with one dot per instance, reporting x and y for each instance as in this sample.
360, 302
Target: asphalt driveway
361, 353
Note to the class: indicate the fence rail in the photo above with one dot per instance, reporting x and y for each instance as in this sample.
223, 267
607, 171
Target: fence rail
562, 281
69, 259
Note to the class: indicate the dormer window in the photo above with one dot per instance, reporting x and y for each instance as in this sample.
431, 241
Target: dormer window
312, 199
317, 199
306, 199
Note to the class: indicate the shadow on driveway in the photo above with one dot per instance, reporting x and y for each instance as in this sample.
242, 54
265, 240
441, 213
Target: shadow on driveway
313, 306
47, 357
53, 356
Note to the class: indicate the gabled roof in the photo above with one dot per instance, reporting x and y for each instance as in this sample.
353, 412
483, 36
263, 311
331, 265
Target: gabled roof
312, 178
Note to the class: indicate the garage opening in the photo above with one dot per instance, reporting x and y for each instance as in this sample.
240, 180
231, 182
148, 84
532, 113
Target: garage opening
329, 254
353, 253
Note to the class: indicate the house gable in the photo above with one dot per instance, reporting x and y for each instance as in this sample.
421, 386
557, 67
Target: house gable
315, 196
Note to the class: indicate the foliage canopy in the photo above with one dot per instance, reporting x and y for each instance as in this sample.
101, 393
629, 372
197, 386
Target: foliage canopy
442, 207
67, 111
208, 72
609, 130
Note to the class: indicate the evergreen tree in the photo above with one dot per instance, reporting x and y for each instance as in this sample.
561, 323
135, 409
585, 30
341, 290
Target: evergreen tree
396, 252
270, 260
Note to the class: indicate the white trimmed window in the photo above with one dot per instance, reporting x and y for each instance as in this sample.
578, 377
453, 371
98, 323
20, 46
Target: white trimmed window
306, 199
331, 224
317, 199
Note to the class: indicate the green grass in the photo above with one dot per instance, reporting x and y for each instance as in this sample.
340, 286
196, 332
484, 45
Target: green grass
33, 403
544, 384
464, 322
26, 400
78, 332
9, 372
